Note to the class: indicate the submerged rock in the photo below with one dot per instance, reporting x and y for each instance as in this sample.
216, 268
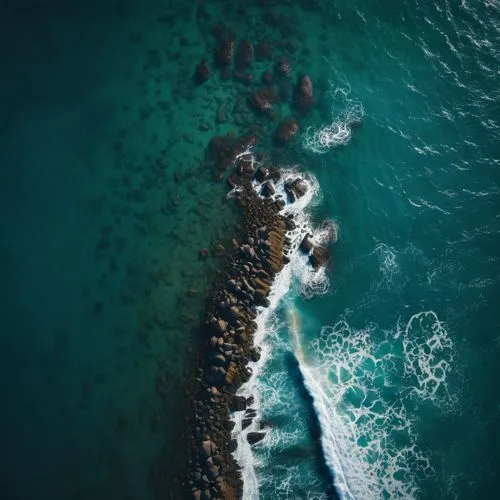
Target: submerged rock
286, 130
303, 97
202, 73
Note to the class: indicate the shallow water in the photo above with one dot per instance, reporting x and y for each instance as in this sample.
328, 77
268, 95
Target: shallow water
388, 362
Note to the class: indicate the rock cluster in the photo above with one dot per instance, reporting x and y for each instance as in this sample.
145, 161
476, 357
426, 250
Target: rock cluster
257, 255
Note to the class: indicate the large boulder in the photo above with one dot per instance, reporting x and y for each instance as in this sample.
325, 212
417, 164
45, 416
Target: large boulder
306, 245
295, 189
319, 257
268, 189
255, 437
238, 403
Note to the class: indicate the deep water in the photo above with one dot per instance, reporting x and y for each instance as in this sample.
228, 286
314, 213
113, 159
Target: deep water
385, 385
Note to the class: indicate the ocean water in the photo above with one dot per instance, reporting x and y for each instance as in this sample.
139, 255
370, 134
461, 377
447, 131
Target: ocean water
378, 377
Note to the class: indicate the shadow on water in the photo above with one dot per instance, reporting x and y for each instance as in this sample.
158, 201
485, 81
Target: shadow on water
314, 427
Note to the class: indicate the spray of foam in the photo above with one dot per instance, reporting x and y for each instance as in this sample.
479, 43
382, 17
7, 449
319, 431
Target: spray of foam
268, 322
347, 113
366, 385
391, 277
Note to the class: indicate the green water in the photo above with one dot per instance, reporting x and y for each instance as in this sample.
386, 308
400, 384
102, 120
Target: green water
106, 202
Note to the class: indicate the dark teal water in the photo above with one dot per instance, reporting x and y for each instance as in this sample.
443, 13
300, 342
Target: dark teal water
394, 366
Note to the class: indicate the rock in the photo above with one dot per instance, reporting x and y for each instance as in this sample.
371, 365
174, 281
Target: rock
245, 423
263, 100
220, 326
283, 67
306, 245
319, 257
286, 130
303, 97
268, 189
261, 174
289, 224
255, 437
275, 173
213, 472
202, 73
206, 448
280, 203
218, 360
229, 425
237, 403
204, 253
295, 189
232, 445
244, 55
225, 51
254, 355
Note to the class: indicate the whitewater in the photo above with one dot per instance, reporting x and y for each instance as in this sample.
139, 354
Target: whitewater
365, 383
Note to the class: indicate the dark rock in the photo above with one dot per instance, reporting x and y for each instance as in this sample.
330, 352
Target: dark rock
245, 423
255, 437
275, 173
202, 72
261, 174
280, 203
295, 189
237, 403
244, 55
254, 355
286, 130
229, 425
232, 445
268, 189
306, 245
263, 100
303, 97
225, 51
319, 257
213, 472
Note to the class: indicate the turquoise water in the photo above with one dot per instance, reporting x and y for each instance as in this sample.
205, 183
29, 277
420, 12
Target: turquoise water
379, 376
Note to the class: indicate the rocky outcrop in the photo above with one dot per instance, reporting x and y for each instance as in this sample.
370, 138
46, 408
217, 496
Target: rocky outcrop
223, 151
295, 189
257, 255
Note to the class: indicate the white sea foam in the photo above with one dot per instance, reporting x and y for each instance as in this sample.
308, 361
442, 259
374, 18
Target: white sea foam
347, 112
313, 282
366, 385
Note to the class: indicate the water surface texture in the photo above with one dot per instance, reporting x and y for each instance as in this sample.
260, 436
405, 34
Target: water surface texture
379, 376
